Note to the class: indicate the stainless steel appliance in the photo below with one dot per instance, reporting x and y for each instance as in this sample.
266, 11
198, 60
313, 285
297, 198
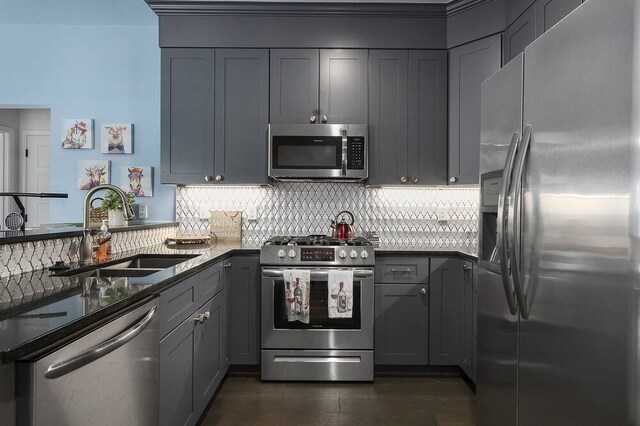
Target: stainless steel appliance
558, 308
107, 377
325, 348
318, 151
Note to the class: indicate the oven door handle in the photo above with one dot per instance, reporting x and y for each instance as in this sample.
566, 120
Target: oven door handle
278, 273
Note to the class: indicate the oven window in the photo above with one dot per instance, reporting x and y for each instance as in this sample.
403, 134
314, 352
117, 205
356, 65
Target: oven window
318, 309
307, 152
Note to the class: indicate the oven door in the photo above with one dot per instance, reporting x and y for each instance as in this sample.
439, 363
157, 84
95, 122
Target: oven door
322, 332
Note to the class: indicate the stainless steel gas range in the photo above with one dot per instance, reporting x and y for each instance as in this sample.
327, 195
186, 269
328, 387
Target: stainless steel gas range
314, 327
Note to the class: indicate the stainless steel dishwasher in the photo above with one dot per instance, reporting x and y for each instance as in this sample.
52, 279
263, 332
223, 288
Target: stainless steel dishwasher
106, 377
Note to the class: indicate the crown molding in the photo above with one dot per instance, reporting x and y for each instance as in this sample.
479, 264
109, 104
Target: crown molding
458, 6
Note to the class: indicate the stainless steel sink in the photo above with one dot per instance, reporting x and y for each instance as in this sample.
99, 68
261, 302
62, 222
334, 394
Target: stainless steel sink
136, 266
158, 262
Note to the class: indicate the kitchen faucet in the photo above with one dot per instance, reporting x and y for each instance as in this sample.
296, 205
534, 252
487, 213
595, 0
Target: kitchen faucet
86, 242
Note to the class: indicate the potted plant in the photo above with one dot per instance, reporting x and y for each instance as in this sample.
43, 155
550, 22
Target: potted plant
113, 204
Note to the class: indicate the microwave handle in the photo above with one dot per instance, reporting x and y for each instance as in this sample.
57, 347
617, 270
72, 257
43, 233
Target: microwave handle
344, 151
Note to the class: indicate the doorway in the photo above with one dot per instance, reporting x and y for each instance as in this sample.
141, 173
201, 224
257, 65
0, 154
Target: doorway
25, 141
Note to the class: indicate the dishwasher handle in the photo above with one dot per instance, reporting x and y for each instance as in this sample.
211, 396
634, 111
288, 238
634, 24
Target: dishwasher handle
61, 368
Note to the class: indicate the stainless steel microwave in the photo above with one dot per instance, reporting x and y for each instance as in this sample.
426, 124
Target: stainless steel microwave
318, 151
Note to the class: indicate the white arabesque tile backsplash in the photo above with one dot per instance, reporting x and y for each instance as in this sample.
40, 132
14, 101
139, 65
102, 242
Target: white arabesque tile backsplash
405, 218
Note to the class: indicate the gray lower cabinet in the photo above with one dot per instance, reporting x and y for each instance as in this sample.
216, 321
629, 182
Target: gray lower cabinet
445, 285
7, 394
401, 324
193, 355
215, 112
244, 310
469, 65
467, 314
187, 108
519, 34
407, 117
318, 86
241, 115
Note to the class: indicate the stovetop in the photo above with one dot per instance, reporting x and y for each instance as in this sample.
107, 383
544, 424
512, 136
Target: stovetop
317, 250
316, 240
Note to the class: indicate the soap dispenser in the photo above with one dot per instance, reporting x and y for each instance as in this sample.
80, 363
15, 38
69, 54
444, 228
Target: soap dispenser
102, 244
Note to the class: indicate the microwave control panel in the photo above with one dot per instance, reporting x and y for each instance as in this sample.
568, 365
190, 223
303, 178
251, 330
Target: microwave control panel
355, 153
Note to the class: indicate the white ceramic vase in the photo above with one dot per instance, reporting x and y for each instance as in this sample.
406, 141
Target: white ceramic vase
116, 218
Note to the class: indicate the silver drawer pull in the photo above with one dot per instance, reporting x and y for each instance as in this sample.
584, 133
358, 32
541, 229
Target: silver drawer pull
202, 317
335, 359
401, 271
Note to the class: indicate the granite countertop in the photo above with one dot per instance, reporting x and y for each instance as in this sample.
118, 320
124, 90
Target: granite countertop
46, 309
71, 230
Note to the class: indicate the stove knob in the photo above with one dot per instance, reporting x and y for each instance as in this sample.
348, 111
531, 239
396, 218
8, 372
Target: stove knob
292, 253
353, 254
364, 254
342, 254
281, 253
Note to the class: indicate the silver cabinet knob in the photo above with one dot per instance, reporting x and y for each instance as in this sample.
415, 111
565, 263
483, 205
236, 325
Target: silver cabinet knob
403, 179
208, 178
423, 291
202, 317
453, 179
414, 180
219, 178
227, 265
324, 118
466, 267
312, 119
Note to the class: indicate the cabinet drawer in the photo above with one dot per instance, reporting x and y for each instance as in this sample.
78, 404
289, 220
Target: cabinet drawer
211, 281
178, 302
406, 270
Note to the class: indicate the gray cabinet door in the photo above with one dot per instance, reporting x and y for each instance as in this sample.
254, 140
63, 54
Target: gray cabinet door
550, 12
519, 35
427, 134
343, 86
294, 84
209, 357
187, 98
401, 324
466, 320
469, 66
244, 310
445, 286
241, 115
388, 117
177, 376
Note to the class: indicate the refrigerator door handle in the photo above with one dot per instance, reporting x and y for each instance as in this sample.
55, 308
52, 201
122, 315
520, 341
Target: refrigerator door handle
514, 221
502, 223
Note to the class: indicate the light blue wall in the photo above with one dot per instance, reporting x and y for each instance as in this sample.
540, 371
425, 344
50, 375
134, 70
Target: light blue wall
87, 59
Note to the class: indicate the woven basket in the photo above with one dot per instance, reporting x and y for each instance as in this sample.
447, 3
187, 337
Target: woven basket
98, 214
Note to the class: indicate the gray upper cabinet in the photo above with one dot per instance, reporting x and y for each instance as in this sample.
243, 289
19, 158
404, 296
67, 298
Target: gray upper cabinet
343, 86
469, 66
295, 75
519, 34
401, 324
318, 86
428, 117
241, 115
244, 310
550, 12
407, 117
445, 284
388, 116
187, 110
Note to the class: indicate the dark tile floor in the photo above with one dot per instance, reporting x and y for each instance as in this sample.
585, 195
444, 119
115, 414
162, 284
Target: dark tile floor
387, 401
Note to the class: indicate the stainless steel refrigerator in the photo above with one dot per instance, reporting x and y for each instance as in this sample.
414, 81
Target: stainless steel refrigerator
559, 262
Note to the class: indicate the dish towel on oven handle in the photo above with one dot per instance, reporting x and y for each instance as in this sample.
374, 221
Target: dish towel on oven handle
340, 300
297, 283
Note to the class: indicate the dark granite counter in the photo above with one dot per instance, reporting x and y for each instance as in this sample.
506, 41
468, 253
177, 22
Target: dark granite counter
69, 305
72, 230
48, 309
